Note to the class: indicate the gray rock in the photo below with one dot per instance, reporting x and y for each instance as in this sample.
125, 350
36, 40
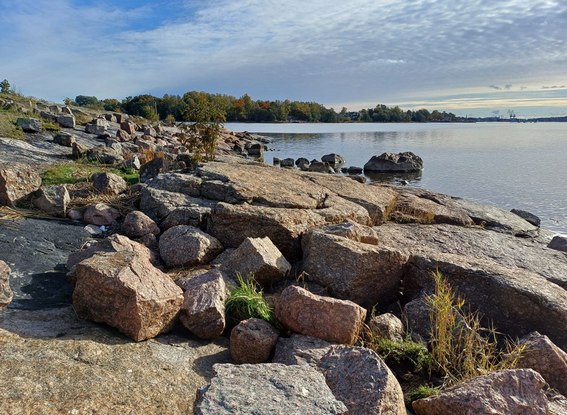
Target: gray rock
79, 150
64, 139
276, 162
530, 217
287, 162
153, 167
104, 155
302, 163
267, 389
256, 149
252, 341
260, 257
417, 315
185, 245
29, 125
66, 120
355, 271
95, 129
202, 312
391, 162
320, 167
387, 326
137, 224
53, 200
541, 355
333, 159
559, 243
300, 350
361, 380
518, 391
16, 182
6, 294
109, 183
354, 170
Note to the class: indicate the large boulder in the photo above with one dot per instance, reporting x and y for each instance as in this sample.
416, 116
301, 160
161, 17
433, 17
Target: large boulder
387, 326
185, 245
258, 256
333, 159
64, 139
66, 120
53, 200
101, 214
6, 293
392, 162
108, 183
351, 270
511, 392
267, 389
124, 290
252, 341
17, 181
361, 380
558, 243
29, 125
313, 315
540, 354
202, 312
104, 155
137, 224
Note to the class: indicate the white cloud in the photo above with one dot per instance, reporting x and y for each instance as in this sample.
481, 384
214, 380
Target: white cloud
364, 50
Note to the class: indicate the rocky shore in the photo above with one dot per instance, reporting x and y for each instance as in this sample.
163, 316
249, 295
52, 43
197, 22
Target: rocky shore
111, 308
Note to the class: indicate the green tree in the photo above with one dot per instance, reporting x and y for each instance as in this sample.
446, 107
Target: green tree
5, 86
87, 101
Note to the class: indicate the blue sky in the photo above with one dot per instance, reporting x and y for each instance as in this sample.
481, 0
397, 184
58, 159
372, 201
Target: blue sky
468, 56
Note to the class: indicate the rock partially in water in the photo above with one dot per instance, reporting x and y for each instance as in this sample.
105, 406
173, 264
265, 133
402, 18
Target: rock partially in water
530, 217
559, 243
392, 162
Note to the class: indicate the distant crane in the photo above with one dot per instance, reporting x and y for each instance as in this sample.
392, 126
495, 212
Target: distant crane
511, 114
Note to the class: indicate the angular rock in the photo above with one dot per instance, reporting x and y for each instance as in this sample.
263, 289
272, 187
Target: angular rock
252, 341
362, 273
413, 208
95, 129
202, 312
153, 167
66, 120
101, 214
391, 162
109, 183
6, 293
361, 380
29, 125
185, 245
518, 391
125, 291
541, 355
417, 315
79, 151
104, 155
128, 126
287, 162
300, 350
137, 224
53, 200
516, 301
353, 231
333, 159
267, 389
123, 136
160, 204
320, 167
530, 217
559, 243
17, 181
64, 139
258, 256
322, 317
387, 326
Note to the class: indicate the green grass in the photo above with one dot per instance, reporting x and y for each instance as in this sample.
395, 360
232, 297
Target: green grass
8, 127
411, 354
246, 301
51, 127
78, 171
423, 391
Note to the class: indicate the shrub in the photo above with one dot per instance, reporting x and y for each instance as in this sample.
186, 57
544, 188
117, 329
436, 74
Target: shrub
407, 353
460, 346
246, 301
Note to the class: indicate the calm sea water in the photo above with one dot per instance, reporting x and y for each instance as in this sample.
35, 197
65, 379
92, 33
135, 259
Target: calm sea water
510, 165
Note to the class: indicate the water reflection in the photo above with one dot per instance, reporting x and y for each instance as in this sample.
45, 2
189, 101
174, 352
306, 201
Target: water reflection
411, 178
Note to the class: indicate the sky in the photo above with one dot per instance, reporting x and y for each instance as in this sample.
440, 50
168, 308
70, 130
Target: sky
471, 57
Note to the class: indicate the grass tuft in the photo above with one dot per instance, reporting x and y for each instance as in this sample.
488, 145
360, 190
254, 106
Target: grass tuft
8, 127
246, 301
423, 391
79, 171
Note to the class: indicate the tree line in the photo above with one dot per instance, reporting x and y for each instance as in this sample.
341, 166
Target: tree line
226, 108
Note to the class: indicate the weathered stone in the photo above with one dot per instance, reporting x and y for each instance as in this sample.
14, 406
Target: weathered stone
17, 181
153, 167
362, 273
391, 162
66, 120
300, 350
123, 136
160, 204
6, 293
354, 170
202, 312
79, 151
104, 155
260, 257
516, 301
185, 245
361, 380
109, 183
29, 125
114, 243
413, 208
64, 139
540, 354
137, 224
559, 243
387, 326
333, 159
53, 200
149, 130
287, 162
267, 389
353, 231
322, 317
320, 167
95, 129
417, 316
256, 149
124, 290
530, 217
101, 214
517, 391
252, 341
